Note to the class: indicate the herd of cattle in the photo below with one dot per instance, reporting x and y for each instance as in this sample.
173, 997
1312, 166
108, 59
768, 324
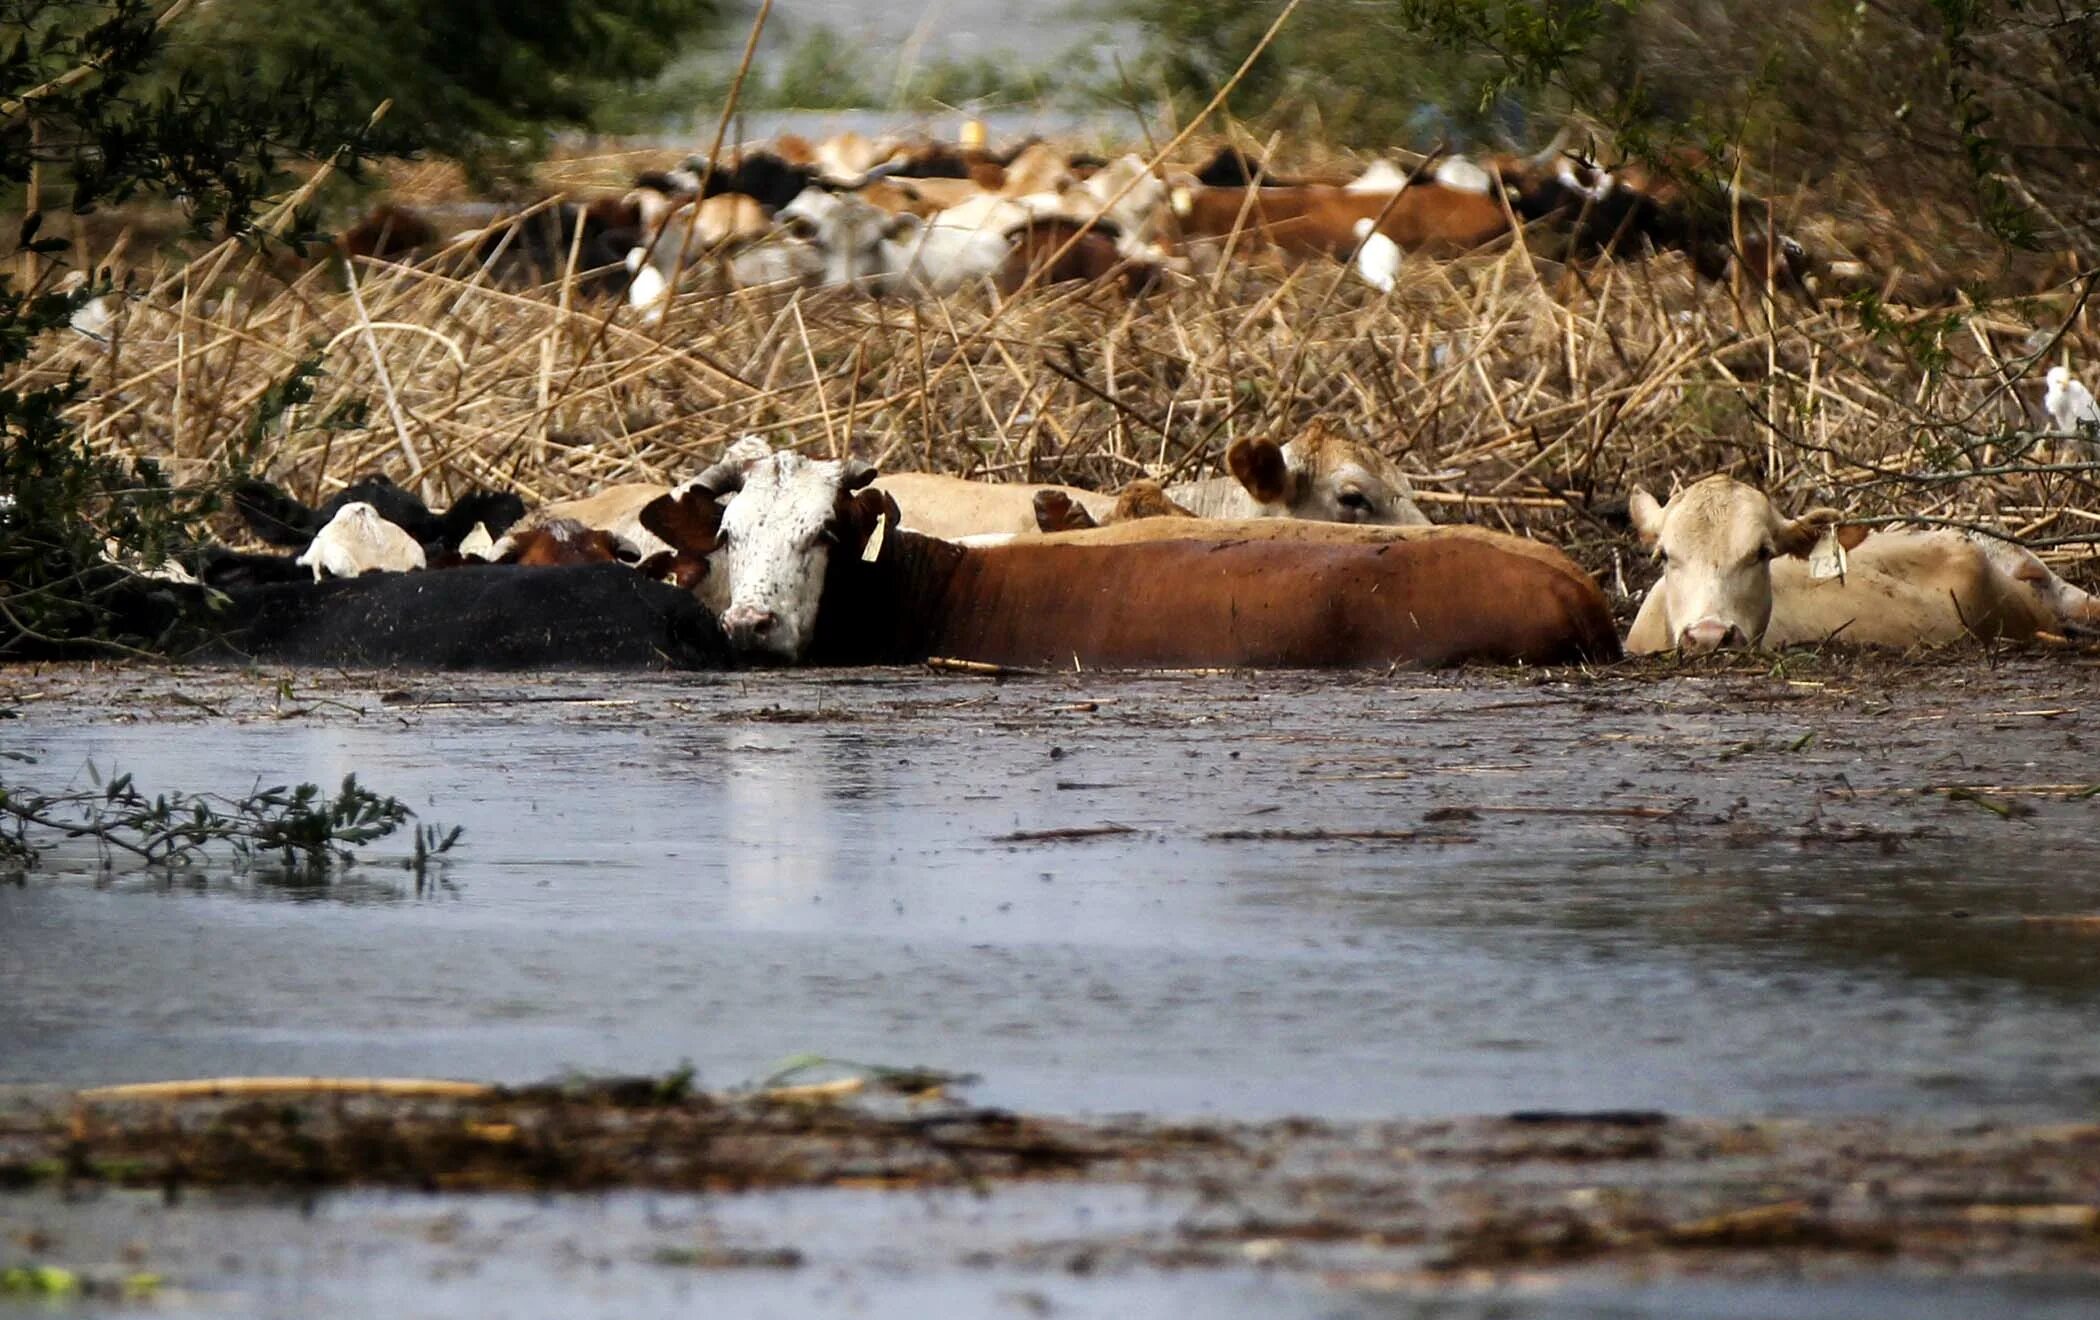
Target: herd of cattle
1308, 553
895, 216
1311, 554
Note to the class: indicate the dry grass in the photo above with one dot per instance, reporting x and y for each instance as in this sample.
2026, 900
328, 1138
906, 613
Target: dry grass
1518, 392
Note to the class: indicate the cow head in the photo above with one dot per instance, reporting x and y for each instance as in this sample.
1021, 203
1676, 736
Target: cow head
775, 543
688, 518
1717, 539
855, 243
1322, 476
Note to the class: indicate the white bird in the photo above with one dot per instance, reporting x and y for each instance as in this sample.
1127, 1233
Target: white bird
92, 318
1377, 257
2070, 406
357, 541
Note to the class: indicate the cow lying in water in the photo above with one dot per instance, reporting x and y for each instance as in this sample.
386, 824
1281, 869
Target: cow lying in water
1735, 573
1320, 475
482, 617
813, 567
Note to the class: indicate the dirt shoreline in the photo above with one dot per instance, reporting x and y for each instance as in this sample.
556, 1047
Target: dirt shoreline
1636, 1193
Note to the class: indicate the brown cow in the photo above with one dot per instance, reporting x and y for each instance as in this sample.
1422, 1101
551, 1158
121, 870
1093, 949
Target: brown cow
1040, 250
815, 568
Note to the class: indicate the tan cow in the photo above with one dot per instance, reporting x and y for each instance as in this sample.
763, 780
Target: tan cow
1320, 475
1735, 573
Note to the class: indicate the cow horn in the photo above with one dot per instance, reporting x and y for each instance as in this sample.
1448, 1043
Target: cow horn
1553, 148
875, 174
722, 478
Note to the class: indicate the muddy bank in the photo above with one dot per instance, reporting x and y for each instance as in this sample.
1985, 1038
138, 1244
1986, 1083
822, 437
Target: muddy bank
1382, 1204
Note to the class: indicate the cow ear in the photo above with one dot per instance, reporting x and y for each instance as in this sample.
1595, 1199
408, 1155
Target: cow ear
858, 473
864, 515
687, 521
1259, 466
1851, 535
1646, 514
1798, 537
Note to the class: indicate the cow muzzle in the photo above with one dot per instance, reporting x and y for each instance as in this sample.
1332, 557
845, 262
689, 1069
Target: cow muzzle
1710, 635
752, 628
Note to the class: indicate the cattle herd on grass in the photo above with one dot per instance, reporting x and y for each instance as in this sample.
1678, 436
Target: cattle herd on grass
1309, 551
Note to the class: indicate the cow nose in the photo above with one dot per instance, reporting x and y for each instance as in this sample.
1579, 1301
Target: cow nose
748, 625
1709, 635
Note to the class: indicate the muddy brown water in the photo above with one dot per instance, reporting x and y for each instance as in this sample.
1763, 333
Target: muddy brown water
1840, 888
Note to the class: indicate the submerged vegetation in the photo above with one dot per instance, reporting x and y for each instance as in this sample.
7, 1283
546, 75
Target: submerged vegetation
300, 828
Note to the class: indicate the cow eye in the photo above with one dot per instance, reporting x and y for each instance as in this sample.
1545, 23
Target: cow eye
800, 227
1356, 501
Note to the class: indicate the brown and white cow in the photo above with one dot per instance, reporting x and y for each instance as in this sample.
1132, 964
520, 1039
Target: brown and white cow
1318, 220
1735, 573
816, 569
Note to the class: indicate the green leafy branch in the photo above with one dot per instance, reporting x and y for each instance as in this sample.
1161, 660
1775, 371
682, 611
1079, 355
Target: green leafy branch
306, 830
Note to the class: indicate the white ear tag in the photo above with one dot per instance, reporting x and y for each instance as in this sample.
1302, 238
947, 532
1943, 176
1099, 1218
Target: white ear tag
872, 551
1827, 560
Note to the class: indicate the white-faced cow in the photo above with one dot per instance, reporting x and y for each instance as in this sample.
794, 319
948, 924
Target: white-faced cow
815, 568
1735, 573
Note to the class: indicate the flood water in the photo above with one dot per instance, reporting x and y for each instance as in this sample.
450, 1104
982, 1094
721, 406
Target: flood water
1706, 894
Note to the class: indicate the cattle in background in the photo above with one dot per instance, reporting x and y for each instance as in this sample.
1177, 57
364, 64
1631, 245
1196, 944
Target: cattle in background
1676, 206
1323, 221
816, 569
358, 541
389, 232
1056, 250
516, 247
679, 232
1735, 574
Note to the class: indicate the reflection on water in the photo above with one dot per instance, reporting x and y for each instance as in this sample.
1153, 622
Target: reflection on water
699, 875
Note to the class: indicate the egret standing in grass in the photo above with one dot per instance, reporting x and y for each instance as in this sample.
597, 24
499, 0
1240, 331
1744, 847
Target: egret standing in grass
2072, 409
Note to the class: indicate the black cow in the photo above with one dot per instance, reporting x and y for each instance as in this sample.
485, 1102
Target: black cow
587, 616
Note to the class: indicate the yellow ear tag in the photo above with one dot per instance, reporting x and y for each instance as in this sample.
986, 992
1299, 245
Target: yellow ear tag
1182, 200
872, 551
1827, 560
